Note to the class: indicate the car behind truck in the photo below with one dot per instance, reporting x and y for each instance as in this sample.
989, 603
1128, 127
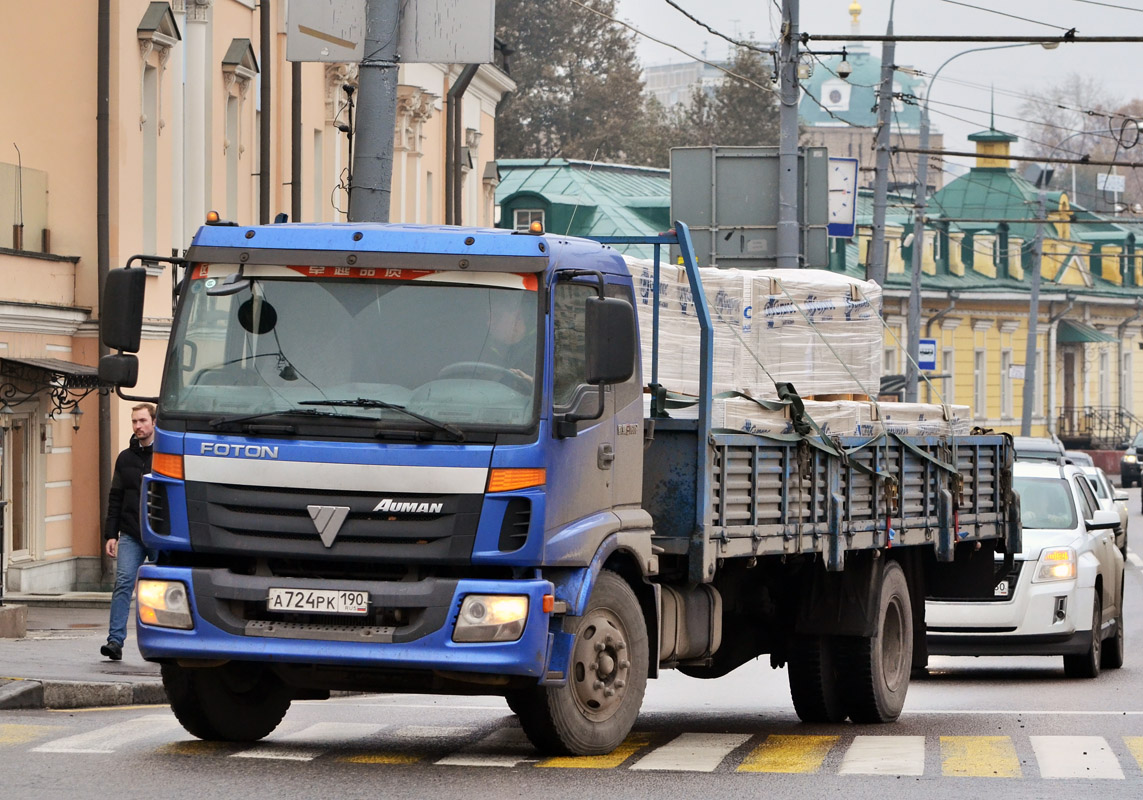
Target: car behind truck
404, 458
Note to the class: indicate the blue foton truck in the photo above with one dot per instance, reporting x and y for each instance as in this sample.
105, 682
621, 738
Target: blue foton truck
407, 458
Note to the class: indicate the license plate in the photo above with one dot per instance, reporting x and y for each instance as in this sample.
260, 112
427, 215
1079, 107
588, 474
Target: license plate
1001, 589
318, 601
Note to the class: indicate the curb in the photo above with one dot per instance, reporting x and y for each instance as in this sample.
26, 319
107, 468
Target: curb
34, 694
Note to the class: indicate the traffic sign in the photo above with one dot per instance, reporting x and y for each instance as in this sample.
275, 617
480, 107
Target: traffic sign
927, 354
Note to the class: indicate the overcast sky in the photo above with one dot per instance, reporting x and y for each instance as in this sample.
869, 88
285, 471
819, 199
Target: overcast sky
965, 81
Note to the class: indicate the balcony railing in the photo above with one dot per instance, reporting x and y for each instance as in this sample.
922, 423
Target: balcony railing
1096, 427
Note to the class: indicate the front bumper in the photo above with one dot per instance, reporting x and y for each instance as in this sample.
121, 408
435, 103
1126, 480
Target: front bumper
226, 628
1027, 624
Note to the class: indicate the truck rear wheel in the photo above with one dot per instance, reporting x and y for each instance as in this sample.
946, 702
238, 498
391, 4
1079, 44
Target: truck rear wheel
595, 710
877, 667
237, 702
815, 684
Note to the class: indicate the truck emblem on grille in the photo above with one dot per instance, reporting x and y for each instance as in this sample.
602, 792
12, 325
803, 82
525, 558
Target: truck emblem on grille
394, 507
328, 521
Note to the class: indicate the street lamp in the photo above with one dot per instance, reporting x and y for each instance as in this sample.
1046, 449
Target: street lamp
913, 319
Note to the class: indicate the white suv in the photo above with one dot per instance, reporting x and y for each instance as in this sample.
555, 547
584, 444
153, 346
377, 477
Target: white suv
1064, 593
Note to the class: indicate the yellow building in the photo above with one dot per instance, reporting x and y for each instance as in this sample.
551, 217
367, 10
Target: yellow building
86, 185
978, 262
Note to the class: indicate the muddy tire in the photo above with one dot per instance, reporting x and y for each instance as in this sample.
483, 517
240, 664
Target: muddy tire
815, 681
597, 707
237, 702
877, 668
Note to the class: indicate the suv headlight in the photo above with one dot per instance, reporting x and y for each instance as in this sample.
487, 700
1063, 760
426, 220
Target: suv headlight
1057, 564
1129, 458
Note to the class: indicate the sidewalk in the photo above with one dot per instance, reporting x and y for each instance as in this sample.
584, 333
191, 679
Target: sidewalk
58, 665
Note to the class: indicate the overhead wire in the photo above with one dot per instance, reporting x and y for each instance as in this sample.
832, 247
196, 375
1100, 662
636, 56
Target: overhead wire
1011, 16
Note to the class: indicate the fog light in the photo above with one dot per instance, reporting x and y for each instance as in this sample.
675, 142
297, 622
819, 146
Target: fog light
491, 618
164, 604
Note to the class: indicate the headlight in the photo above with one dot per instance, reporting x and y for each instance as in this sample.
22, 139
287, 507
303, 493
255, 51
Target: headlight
164, 604
1129, 458
1057, 564
491, 618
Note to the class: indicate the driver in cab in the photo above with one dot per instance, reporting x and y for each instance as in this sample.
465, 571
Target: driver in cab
511, 337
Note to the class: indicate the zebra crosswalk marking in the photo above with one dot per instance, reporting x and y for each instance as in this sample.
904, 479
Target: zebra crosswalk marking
692, 752
22, 734
979, 757
1135, 747
884, 755
1075, 757
789, 754
298, 746
506, 747
627, 748
111, 737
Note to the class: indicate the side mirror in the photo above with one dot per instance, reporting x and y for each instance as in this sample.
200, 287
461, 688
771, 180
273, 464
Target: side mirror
1121, 496
610, 340
120, 370
121, 309
1103, 520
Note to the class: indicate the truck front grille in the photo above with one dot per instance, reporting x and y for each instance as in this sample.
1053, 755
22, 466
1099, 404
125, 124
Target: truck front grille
293, 523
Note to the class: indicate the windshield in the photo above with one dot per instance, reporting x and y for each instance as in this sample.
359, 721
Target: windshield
1046, 503
362, 343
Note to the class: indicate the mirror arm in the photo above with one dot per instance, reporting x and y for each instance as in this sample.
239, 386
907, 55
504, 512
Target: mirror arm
134, 399
566, 424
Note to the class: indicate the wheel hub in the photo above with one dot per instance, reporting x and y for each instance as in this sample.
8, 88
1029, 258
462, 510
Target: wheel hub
600, 665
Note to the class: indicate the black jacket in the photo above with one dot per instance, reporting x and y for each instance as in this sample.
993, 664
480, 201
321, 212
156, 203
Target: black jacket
123, 499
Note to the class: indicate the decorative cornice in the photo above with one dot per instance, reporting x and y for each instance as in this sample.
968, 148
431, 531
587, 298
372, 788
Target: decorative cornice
950, 323
48, 320
982, 325
1009, 325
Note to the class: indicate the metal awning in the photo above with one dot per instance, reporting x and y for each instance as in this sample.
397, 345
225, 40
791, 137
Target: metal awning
51, 371
1072, 332
63, 383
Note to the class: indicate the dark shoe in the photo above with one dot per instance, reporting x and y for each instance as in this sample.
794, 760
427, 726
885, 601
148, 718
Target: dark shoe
112, 650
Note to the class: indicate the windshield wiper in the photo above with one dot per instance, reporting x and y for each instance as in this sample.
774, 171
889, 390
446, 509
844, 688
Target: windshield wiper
365, 402
303, 412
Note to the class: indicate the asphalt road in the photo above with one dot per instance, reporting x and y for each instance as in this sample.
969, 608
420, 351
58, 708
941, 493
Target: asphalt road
1014, 727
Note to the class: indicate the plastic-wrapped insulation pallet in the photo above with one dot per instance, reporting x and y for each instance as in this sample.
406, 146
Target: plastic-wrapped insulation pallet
815, 329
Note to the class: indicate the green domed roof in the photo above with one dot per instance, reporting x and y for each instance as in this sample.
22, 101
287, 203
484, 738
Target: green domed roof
854, 100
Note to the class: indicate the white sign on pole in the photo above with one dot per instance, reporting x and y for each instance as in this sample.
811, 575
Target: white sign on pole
1110, 183
326, 30
927, 354
447, 31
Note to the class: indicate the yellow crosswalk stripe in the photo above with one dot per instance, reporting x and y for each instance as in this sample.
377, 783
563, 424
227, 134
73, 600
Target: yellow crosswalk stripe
22, 734
1135, 746
979, 757
381, 758
631, 745
781, 753
195, 747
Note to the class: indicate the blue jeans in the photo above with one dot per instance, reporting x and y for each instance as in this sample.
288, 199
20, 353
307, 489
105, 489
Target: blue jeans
128, 560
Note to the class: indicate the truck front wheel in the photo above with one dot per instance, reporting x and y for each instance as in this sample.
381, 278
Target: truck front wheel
236, 702
877, 667
595, 710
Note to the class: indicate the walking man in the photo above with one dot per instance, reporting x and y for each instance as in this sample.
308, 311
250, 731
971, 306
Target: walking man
121, 528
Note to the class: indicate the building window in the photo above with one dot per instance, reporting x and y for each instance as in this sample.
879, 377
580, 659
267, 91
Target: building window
948, 369
1104, 378
150, 127
319, 178
1041, 381
1006, 384
980, 383
1126, 390
524, 217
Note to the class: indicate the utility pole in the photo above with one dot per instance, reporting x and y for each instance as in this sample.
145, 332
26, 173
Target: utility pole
1033, 320
376, 114
913, 317
789, 225
876, 268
